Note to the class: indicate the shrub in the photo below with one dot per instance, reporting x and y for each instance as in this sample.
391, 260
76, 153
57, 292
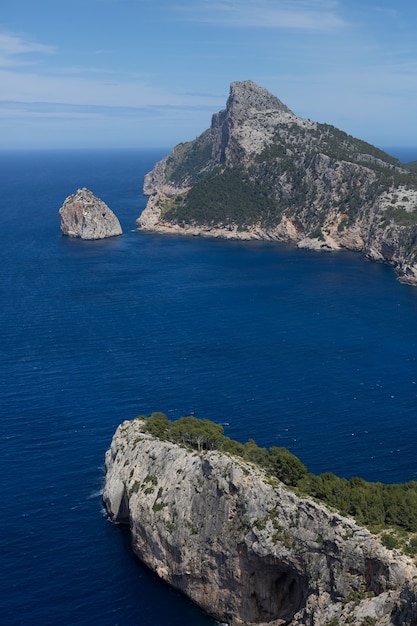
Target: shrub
371, 504
285, 466
389, 541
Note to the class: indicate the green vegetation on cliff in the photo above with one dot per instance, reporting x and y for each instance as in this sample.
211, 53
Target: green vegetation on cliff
372, 504
285, 176
325, 139
188, 162
319, 167
224, 197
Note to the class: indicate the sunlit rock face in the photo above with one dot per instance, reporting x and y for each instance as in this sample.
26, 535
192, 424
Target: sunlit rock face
244, 547
85, 216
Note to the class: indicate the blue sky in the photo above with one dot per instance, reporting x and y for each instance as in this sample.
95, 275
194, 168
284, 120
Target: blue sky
150, 73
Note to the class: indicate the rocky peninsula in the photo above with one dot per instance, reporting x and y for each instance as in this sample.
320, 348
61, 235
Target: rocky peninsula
85, 216
243, 545
262, 172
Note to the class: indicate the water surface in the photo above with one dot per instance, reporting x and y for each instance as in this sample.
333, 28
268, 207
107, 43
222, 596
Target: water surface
312, 351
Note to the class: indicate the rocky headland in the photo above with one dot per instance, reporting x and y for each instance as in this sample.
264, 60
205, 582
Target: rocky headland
245, 547
85, 216
262, 172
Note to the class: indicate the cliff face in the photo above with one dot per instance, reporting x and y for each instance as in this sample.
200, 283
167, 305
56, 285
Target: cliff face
261, 172
243, 547
86, 216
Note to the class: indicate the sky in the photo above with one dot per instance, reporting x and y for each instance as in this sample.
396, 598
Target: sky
150, 73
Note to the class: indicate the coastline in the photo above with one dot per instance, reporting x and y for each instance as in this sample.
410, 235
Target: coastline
356, 238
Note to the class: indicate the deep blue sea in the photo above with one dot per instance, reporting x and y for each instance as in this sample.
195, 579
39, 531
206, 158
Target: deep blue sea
312, 351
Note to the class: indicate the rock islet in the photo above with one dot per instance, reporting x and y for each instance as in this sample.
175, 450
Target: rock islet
86, 216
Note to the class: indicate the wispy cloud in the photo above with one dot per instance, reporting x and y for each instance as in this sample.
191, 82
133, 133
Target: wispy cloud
315, 15
67, 124
25, 81
62, 109
14, 48
34, 87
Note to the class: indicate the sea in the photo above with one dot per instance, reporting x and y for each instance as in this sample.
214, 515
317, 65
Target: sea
312, 351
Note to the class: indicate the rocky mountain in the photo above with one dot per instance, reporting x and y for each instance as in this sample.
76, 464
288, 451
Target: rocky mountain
86, 216
246, 548
262, 172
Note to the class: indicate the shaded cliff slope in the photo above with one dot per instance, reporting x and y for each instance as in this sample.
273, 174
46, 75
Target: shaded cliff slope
243, 546
261, 172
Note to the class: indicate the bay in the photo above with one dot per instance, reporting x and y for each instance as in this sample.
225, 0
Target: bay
315, 352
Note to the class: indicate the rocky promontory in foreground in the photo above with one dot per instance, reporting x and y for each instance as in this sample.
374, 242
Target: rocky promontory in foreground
262, 172
85, 216
245, 547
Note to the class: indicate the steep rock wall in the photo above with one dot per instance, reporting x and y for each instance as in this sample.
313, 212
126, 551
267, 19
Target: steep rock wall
243, 547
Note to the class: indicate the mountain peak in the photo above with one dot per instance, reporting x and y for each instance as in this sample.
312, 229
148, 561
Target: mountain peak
246, 94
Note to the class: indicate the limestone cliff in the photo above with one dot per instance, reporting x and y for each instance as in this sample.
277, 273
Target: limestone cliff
86, 216
245, 548
261, 172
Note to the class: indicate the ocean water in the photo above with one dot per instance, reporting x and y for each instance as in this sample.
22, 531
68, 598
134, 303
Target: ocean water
312, 351
405, 155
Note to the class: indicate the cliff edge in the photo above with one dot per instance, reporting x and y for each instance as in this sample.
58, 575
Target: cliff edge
244, 547
262, 172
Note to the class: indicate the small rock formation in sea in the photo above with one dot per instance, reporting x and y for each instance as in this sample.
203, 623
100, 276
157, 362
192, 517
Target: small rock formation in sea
245, 548
262, 172
86, 216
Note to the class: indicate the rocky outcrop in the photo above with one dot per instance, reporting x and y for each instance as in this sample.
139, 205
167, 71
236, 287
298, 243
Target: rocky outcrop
262, 172
245, 548
86, 216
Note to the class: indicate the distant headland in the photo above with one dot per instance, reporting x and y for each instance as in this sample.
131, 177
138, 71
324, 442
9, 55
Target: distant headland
262, 172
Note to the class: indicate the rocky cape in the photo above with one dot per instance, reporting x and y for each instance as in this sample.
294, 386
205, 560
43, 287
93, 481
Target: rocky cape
262, 172
86, 216
244, 547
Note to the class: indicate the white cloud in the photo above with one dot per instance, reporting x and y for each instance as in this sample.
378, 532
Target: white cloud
315, 16
13, 49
